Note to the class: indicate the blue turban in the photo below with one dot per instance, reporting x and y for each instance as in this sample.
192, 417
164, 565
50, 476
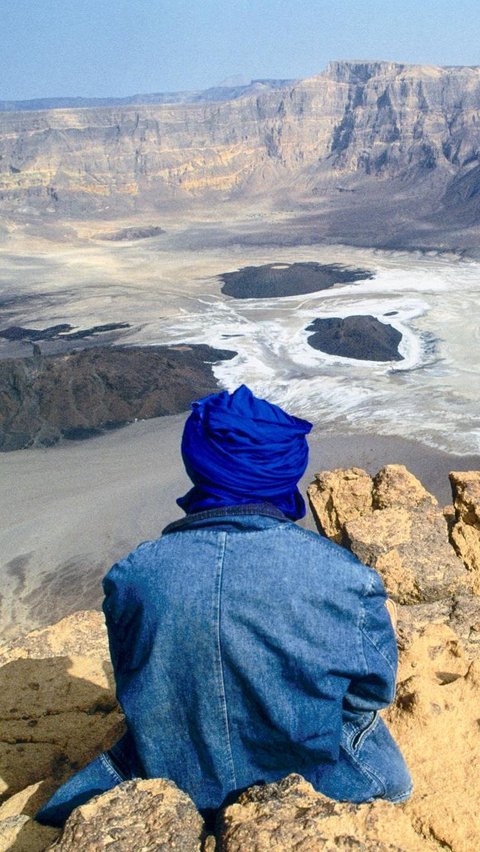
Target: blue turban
240, 449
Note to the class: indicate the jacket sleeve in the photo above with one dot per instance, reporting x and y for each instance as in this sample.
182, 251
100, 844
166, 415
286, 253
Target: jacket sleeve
124, 611
375, 686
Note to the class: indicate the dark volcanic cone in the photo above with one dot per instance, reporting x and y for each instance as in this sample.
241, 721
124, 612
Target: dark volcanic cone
364, 338
287, 279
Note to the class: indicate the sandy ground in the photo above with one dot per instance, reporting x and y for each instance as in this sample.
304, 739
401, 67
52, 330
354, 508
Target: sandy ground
70, 511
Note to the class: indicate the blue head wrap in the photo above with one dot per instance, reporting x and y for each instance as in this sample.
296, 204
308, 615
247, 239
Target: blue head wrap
240, 449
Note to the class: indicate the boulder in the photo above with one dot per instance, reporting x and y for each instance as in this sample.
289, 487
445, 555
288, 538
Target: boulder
435, 722
465, 531
22, 834
393, 524
18, 830
339, 496
57, 702
151, 816
291, 815
461, 613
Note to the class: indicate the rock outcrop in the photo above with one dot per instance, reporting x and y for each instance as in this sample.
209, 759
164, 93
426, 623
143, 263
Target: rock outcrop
277, 280
291, 815
354, 124
361, 337
61, 674
154, 816
391, 523
77, 394
465, 532
57, 703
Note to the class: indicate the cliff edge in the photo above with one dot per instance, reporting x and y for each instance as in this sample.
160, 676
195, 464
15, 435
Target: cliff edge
57, 704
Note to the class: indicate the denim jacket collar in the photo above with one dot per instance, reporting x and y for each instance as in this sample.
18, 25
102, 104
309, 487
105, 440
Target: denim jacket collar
225, 512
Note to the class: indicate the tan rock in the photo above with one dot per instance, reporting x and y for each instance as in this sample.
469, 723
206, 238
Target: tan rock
339, 496
82, 634
57, 709
395, 487
136, 816
461, 613
466, 496
466, 541
29, 800
465, 532
378, 533
22, 834
403, 532
435, 722
399, 579
291, 815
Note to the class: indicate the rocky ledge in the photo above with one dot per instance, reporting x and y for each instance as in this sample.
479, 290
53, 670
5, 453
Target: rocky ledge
57, 705
77, 395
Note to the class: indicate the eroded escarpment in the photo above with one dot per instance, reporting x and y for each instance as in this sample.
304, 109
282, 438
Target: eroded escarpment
78, 394
64, 711
377, 151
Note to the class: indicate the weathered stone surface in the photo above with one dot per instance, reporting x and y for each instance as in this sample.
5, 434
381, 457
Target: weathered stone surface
466, 496
57, 702
21, 834
461, 613
291, 815
435, 722
136, 816
393, 524
17, 829
82, 634
465, 531
339, 496
395, 487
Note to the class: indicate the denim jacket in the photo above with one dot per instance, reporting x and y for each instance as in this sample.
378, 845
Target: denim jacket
243, 645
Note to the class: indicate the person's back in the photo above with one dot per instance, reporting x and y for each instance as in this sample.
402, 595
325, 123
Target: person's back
239, 640
244, 647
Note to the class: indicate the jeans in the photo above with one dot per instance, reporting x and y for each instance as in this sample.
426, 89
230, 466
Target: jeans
370, 766
100, 775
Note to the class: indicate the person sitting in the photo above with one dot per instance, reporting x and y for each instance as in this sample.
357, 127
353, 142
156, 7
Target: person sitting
244, 647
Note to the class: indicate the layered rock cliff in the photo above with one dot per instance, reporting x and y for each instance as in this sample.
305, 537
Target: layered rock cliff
354, 123
57, 706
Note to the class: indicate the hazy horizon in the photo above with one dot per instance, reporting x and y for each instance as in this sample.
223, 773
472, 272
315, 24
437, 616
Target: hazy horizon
119, 48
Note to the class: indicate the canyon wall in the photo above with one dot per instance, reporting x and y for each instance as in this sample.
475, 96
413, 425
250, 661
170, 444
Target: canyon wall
355, 124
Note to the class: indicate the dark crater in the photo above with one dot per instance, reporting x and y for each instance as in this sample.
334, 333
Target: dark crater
287, 279
80, 394
364, 338
132, 234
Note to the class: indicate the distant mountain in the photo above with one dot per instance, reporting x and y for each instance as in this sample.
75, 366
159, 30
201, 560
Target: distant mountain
224, 92
378, 152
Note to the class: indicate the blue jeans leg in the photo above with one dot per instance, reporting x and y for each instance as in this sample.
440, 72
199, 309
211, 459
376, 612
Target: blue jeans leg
101, 774
370, 765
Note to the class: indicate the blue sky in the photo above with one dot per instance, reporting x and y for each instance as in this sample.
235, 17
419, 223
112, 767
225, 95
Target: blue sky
96, 48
